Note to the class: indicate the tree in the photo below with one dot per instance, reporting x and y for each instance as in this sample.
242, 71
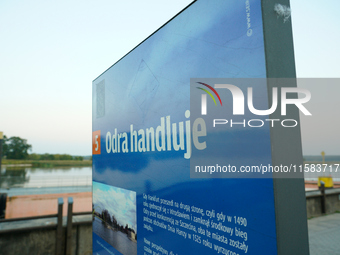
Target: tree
16, 148
79, 158
106, 216
34, 156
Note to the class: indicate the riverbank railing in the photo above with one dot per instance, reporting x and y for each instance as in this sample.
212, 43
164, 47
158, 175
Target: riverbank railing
45, 181
52, 229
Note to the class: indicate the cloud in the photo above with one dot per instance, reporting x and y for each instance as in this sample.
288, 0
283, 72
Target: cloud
119, 202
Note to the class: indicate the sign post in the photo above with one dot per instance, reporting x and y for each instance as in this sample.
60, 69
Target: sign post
1, 141
323, 157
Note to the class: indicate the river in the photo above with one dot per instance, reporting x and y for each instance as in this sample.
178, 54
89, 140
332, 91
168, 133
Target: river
28, 180
117, 239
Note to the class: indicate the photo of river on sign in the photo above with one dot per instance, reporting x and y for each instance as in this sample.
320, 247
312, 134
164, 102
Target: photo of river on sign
114, 218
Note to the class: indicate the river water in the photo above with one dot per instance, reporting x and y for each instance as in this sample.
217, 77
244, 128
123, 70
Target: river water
28, 180
28, 177
117, 239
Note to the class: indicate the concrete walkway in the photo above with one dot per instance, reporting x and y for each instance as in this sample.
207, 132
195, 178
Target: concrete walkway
46, 204
324, 235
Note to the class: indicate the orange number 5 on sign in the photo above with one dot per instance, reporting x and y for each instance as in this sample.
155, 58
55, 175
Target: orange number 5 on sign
96, 142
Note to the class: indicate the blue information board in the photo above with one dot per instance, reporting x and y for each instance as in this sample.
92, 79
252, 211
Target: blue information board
145, 200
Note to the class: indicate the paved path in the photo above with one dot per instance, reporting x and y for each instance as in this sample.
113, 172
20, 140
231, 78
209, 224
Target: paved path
46, 204
324, 235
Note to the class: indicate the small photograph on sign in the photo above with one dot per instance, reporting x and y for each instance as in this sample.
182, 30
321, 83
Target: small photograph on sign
114, 217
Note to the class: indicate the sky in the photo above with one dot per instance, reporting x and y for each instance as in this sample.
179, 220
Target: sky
119, 202
50, 52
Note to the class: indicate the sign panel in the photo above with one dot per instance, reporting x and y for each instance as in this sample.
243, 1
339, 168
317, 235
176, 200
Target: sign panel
146, 199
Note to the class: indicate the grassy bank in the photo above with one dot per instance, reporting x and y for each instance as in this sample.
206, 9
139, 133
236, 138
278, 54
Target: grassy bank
47, 163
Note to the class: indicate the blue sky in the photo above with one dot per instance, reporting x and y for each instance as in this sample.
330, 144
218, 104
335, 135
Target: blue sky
51, 51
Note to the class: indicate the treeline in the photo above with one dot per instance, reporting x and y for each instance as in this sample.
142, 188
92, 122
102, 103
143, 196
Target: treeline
47, 156
17, 148
106, 218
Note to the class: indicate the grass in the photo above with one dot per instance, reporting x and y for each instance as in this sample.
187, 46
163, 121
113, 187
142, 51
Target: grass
47, 163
